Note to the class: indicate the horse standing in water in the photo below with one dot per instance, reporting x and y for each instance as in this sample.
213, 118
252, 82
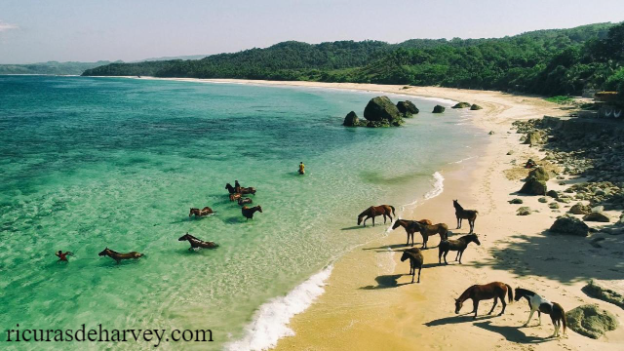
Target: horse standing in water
249, 212
427, 230
458, 245
200, 213
196, 243
460, 213
406, 224
541, 305
119, 256
495, 290
243, 191
416, 261
374, 211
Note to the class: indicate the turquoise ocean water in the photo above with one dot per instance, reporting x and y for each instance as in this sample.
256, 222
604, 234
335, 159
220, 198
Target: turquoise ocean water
89, 163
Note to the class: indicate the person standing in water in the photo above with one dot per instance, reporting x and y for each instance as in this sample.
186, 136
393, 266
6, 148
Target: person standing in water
63, 255
301, 168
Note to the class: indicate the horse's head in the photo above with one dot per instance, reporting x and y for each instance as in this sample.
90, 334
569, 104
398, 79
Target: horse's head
518, 294
396, 224
228, 186
184, 237
405, 256
192, 211
475, 238
259, 209
105, 252
458, 305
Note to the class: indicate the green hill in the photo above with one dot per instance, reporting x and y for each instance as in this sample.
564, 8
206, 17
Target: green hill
51, 67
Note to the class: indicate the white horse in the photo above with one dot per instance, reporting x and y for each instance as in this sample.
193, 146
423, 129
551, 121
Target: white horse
541, 305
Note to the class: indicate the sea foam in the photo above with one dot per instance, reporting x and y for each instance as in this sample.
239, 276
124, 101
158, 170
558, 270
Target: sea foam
438, 186
270, 322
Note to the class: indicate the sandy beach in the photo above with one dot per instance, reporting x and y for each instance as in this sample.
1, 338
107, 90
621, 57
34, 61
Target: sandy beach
370, 305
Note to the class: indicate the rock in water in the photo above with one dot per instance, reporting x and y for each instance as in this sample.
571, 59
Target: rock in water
534, 187
475, 107
381, 108
596, 217
438, 109
569, 225
462, 105
539, 173
407, 108
579, 208
591, 321
351, 120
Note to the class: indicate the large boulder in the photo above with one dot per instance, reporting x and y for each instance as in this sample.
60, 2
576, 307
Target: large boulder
439, 109
462, 105
539, 173
534, 187
596, 217
580, 209
407, 108
351, 120
591, 321
475, 107
381, 108
569, 225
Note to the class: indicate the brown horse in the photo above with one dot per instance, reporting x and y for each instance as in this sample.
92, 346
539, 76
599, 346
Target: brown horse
249, 212
119, 256
409, 229
427, 230
495, 290
374, 211
416, 261
243, 191
458, 245
236, 196
196, 243
460, 213
244, 200
200, 213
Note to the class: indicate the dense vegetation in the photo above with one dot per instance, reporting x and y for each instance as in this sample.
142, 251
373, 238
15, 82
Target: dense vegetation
548, 62
51, 67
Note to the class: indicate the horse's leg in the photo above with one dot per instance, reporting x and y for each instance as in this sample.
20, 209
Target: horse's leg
471, 226
365, 219
494, 306
504, 305
419, 269
476, 307
555, 323
440, 253
530, 316
384, 216
373, 221
413, 274
457, 218
539, 317
460, 254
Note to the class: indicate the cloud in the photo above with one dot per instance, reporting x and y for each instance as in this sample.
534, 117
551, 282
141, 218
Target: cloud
7, 26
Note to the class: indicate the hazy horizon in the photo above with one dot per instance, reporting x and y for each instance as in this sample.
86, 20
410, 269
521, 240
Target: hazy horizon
33, 31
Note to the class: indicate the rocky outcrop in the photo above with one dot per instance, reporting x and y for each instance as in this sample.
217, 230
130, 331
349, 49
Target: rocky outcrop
462, 105
580, 209
596, 217
475, 107
381, 108
351, 120
534, 187
591, 321
407, 108
569, 225
539, 173
534, 138
596, 291
439, 109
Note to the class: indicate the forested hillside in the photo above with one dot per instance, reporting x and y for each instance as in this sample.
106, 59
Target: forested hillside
51, 67
548, 62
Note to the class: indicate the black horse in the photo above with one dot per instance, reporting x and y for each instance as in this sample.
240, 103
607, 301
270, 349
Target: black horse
243, 191
460, 213
197, 244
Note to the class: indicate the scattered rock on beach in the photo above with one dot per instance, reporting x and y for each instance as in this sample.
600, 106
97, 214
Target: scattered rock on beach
594, 290
381, 108
596, 217
475, 107
439, 109
407, 108
510, 152
591, 321
580, 209
534, 138
351, 120
524, 211
542, 200
462, 105
553, 206
534, 187
516, 202
569, 225
553, 194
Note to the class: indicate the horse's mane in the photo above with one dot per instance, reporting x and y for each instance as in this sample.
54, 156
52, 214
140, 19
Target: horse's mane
113, 251
520, 291
365, 212
466, 293
467, 236
457, 205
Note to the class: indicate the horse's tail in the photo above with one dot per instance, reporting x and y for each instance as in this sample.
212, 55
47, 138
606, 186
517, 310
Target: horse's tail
560, 314
509, 293
392, 207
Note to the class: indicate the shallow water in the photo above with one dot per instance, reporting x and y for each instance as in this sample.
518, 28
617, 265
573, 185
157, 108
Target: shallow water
89, 163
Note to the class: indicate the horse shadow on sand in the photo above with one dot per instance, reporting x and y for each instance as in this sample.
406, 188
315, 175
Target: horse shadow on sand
457, 319
513, 334
386, 282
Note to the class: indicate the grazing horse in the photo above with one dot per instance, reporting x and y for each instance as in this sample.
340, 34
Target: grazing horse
416, 261
541, 305
375, 211
495, 290
249, 212
236, 196
458, 245
460, 213
197, 244
243, 191
119, 256
409, 229
244, 200
427, 230
200, 213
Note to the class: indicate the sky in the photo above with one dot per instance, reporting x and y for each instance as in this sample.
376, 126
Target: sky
131, 30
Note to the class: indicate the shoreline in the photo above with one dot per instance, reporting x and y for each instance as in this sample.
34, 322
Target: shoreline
367, 303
